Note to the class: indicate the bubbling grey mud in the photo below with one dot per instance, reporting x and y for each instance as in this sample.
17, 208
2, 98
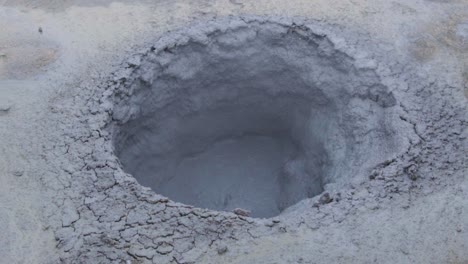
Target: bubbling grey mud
258, 117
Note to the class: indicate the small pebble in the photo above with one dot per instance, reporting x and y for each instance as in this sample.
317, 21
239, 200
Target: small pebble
222, 249
18, 173
241, 212
412, 170
413, 177
404, 249
325, 198
5, 107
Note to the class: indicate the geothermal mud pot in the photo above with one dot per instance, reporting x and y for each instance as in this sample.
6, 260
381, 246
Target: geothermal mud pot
281, 120
258, 117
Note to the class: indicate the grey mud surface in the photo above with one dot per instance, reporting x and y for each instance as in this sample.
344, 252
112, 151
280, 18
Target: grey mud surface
66, 198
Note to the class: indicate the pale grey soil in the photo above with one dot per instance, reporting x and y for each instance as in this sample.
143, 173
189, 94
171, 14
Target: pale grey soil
65, 198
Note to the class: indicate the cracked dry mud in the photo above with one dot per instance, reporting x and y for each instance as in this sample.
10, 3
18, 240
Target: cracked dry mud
118, 219
381, 153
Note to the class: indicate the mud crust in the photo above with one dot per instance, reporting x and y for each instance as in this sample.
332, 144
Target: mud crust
107, 217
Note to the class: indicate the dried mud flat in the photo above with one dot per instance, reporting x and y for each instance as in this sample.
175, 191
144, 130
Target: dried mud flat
387, 82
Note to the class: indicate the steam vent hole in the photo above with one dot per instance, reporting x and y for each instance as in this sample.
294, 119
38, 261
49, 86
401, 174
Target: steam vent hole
258, 117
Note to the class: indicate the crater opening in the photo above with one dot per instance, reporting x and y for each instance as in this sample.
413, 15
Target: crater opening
255, 116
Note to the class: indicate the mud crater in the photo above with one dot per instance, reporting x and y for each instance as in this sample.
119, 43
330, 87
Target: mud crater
255, 116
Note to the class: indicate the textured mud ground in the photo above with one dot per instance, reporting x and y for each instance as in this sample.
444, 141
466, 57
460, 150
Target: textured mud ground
408, 208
